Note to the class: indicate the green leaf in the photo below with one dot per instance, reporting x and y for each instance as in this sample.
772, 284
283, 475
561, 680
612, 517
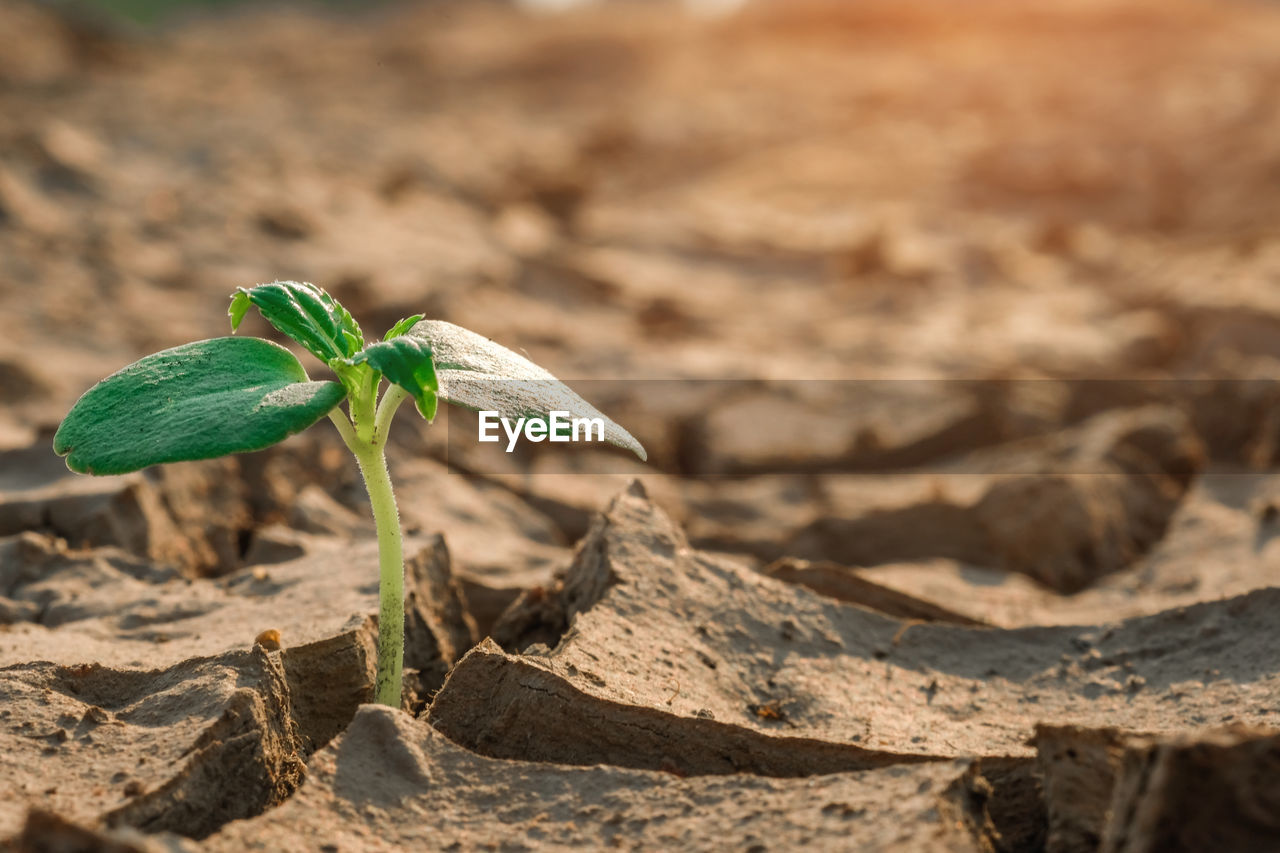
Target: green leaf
305, 313
475, 373
402, 326
407, 362
240, 305
197, 401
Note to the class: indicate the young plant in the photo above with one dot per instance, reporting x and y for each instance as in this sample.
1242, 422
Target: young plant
231, 395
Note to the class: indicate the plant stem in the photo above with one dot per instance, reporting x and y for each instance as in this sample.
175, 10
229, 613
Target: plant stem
391, 401
373, 465
345, 429
371, 457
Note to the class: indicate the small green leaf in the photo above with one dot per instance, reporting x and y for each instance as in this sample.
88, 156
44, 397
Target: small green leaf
407, 362
305, 313
475, 373
351, 332
240, 305
402, 326
197, 401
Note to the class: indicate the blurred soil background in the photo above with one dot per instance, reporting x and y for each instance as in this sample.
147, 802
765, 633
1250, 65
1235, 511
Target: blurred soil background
951, 330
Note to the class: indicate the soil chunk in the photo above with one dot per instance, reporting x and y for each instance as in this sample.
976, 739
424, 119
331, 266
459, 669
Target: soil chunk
1197, 793
1121, 791
1079, 767
390, 782
183, 749
106, 608
189, 516
647, 641
1064, 510
1223, 514
845, 584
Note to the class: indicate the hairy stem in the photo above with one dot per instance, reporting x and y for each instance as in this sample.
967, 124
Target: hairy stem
344, 428
372, 460
386, 411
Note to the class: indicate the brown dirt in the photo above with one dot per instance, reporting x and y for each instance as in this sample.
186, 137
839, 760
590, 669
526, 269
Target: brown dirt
952, 337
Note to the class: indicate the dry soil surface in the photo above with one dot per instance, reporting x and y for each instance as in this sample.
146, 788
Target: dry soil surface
951, 333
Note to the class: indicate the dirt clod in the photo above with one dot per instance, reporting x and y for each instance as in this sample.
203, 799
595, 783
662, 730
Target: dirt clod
217, 732
380, 780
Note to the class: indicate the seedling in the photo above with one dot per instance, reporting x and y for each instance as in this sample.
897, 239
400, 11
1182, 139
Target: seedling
231, 395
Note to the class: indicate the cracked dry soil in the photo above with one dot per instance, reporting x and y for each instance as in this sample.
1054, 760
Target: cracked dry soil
952, 337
